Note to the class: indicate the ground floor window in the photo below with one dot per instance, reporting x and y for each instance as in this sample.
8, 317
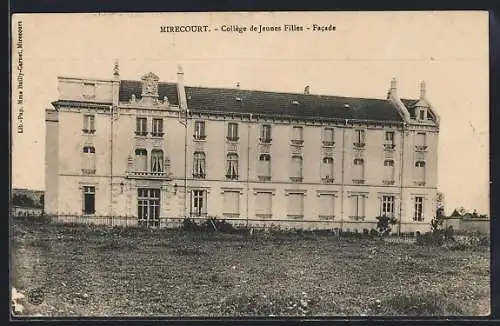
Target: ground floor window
387, 206
148, 205
296, 205
231, 206
326, 206
264, 205
419, 205
357, 207
198, 203
88, 200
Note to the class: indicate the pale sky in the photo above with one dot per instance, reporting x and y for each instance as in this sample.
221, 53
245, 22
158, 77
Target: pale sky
449, 50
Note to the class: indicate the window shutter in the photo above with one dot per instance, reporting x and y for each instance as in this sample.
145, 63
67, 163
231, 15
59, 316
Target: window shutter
231, 202
295, 204
326, 205
263, 203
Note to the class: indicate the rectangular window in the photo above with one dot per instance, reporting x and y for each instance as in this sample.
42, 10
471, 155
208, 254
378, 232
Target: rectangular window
141, 159
419, 208
389, 140
157, 160
326, 206
264, 167
232, 166
231, 206
298, 135
389, 171
359, 138
263, 205
88, 160
420, 141
199, 203
199, 130
157, 130
199, 165
328, 137
357, 207
89, 124
327, 172
141, 127
295, 205
421, 115
419, 176
88, 91
88, 200
387, 206
265, 133
232, 131
148, 206
358, 173
296, 172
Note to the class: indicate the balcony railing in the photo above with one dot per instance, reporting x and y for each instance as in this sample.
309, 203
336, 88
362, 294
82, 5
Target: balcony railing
328, 143
157, 134
419, 183
89, 131
295, 217
141, 133
388, 182
88, 171
357, 218
358, 181
233, 139
147, 174
264, 178
296, 179
420, 148
199, 175
328, 180
231, 176
359, 145
389, 147
326, 217
199, 137
265, 140
297, 141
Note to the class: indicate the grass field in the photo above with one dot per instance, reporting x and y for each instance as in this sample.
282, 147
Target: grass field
69, 270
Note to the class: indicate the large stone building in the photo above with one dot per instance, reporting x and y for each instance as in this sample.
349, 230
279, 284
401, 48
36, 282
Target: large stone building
152, 150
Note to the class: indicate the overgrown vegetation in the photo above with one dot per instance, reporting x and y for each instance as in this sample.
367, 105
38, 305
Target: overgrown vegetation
385, 223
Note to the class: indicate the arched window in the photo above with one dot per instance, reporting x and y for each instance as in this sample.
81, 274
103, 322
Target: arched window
199, 165
156, 160
232, 166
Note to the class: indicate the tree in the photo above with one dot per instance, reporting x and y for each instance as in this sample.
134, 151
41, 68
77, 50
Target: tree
440, 204
384, 224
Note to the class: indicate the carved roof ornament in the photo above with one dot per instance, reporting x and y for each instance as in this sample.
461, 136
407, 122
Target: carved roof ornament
116, 69
422, 102
150, 85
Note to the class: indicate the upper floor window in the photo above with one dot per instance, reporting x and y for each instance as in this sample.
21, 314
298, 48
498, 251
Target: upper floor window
88, 91
327, 169
419, 176
296, 173
199, 130
359, 138
232, 166
156, 160
264, 169
420, 141
232, 131
88, 160
157, 130
298, 135
89, 123
199, 165
328, 137
388, 172
265, 133
141, 127
141, 159
358, 174
389, 140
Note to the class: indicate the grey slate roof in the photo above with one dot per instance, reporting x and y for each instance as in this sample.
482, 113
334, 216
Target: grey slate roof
272, 103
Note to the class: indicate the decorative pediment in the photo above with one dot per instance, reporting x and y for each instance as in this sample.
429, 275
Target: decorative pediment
150, 85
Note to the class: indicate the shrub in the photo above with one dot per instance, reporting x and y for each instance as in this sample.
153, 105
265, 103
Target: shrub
436, 238
373, 233
189, 225
384, 224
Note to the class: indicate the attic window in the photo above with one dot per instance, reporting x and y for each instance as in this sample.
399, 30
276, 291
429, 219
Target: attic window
294, 102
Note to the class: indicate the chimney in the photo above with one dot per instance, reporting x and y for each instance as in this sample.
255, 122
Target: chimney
393, 90
181, 91
116, 83
422, 90
307, 90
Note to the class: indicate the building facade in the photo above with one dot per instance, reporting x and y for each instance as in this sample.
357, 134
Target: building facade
154, 151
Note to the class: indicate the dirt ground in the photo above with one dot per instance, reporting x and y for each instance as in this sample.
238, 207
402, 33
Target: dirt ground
68, 270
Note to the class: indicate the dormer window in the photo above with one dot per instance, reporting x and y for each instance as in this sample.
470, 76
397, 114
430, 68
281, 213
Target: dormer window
422, 116
88, 91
